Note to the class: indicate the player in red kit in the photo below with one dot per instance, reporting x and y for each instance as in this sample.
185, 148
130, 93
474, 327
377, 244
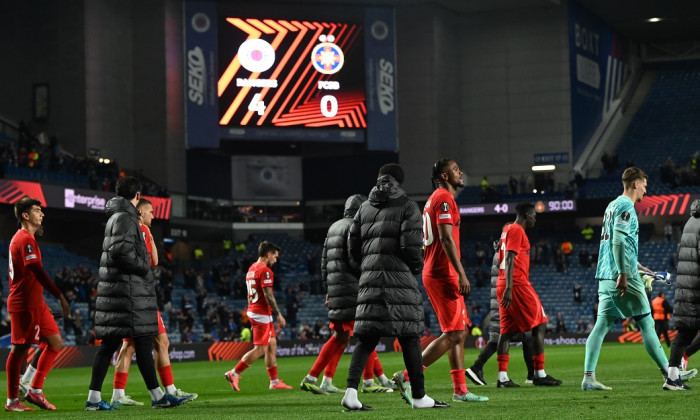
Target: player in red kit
520, 307
160, 341
30, 317
443, 275
261, 305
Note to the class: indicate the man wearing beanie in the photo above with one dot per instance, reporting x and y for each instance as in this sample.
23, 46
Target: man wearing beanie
388, 227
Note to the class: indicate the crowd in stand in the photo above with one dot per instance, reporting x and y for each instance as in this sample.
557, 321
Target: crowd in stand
688, 174
35, 150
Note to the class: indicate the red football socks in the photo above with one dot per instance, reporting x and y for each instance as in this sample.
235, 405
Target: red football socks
44, 366
13, 366
166, 375
272, 373
120, 379
503, 360
459, 381
333, 349
240, 367
538, 361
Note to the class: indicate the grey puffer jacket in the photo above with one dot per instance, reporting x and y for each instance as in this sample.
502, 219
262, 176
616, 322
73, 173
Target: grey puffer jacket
386, 241
686, 307
339, 273
126, 298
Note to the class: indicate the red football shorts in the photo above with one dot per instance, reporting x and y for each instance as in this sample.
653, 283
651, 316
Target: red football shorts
262, 332
341, 326
447, 303
27, 327
525, 311
161, 327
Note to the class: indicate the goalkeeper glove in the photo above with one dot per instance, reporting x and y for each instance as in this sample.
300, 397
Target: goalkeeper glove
658, 276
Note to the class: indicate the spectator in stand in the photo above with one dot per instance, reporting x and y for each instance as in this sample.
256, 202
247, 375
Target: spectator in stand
577, 292
608, 165
587, 232
668, 173
561, 325
584, 258
668, 232
581, 326
661, 312
513, 185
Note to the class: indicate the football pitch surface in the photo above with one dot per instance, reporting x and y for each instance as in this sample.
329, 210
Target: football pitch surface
627, 368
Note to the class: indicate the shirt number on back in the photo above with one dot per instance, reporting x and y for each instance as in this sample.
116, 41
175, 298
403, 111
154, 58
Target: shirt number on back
428, 238
502, 265
605, 231
252, 293
11, 269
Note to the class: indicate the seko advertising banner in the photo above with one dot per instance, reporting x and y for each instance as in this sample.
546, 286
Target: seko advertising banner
380, 63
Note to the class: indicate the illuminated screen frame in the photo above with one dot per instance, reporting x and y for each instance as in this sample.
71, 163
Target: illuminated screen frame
282, 75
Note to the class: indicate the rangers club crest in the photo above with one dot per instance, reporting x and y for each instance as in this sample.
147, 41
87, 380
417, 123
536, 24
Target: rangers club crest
327, 57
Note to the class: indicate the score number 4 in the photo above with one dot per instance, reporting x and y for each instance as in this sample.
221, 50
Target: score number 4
256, 105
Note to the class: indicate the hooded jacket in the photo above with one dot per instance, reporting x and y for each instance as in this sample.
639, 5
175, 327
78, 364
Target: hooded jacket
126, 299
339, 274
385, 240
686, 309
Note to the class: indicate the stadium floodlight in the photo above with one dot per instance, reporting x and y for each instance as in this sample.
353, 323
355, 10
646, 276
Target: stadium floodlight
543, 168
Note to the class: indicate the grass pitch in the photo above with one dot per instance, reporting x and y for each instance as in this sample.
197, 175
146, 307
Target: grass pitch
635, 380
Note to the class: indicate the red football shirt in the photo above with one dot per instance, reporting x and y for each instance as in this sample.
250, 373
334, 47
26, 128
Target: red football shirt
26, 293
259, 276
513, 238
149, 246
440, 208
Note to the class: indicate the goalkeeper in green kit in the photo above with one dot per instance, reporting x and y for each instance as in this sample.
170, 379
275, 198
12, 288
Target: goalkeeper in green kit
620, 287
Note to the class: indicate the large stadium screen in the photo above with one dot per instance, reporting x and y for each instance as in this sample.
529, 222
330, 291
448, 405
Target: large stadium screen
291, 72
261, 72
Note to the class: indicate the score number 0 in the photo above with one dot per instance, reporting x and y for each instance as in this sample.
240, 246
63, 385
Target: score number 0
329, 105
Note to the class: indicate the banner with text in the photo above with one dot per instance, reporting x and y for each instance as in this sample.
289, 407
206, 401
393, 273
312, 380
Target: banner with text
201, 98
598, 69
380, 62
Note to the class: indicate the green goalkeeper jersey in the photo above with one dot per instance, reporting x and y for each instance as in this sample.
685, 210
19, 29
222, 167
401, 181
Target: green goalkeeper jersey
620, 223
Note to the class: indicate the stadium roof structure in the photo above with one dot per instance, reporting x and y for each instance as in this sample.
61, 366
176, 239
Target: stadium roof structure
678, 20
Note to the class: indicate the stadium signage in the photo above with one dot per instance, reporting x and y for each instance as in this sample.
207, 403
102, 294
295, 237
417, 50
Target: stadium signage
196, 69
71, 199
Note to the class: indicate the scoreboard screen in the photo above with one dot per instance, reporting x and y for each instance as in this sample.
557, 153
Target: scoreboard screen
290, 72
256, 71
541, 206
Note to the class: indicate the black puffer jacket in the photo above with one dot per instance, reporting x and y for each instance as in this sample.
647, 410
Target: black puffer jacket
126, 297
338, 273
686, 307
385, 239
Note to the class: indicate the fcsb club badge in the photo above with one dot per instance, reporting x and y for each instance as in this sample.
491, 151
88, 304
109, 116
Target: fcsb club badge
327, 57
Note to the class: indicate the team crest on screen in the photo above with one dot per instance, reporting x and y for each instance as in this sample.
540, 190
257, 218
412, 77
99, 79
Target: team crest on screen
327, 57
256, 55
445, 207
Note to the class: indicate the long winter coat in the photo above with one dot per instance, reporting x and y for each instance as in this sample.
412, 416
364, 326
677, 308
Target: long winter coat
686, 309
385, 239
126, 298
338, 273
